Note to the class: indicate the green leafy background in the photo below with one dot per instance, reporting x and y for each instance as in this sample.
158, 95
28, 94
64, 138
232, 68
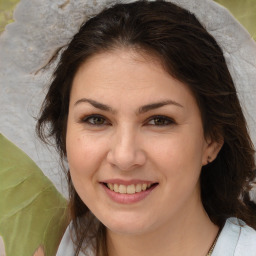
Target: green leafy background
243, 10
6, 11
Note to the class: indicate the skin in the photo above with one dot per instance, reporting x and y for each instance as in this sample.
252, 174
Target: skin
2, 247
130, 145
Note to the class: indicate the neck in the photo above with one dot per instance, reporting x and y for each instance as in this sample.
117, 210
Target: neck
191, 234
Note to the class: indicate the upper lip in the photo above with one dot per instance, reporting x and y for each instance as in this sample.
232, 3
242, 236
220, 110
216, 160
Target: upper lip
127, 182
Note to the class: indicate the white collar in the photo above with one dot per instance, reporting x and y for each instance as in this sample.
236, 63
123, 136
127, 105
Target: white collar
236, 239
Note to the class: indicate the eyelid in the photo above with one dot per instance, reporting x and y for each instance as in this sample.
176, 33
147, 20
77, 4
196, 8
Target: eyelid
170, 120
86, 120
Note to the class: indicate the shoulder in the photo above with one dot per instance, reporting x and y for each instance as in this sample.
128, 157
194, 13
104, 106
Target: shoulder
236, 239
246, 244
67, 246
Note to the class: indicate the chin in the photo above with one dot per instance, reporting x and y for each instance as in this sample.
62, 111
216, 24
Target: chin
127, 230
128, 226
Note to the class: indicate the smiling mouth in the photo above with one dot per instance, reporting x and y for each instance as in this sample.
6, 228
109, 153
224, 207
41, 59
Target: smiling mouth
129, 189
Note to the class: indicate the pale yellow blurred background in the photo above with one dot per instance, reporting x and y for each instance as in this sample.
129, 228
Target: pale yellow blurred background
243, 10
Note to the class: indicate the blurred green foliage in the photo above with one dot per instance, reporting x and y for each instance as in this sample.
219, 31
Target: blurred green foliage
243, 10
6, 12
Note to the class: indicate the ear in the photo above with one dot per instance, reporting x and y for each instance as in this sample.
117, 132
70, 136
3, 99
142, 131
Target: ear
212, 148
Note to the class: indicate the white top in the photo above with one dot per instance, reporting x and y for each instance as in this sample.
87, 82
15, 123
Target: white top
235, 239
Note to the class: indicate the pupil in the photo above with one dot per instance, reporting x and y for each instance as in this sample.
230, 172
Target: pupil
97, 120
159, 121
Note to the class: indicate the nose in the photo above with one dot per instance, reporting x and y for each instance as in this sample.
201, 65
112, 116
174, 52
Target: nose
125, 150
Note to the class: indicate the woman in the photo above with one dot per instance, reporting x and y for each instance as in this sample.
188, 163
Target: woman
145, 111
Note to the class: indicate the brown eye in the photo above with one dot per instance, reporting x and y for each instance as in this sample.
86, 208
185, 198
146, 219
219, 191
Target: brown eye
96, 120
160, 121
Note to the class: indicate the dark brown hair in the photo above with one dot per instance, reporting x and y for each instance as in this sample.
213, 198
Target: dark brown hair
190, 54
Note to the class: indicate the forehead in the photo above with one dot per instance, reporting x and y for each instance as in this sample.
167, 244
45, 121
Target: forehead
121, 62
127, 75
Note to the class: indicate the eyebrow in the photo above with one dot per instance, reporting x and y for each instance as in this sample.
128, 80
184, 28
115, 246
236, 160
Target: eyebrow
141, 110
156, 105
96, 105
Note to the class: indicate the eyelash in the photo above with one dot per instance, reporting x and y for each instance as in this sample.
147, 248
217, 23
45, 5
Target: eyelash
167, 120
86, 120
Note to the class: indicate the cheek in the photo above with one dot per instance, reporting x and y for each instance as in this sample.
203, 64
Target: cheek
178, 150
83, 159
82, 154
179, 158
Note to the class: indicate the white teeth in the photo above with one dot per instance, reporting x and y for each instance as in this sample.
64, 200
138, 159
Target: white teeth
116, 188
144, 186
130, 189
138, 188
110, 186
122, 189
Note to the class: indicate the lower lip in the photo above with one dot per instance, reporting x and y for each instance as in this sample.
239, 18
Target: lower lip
128, 198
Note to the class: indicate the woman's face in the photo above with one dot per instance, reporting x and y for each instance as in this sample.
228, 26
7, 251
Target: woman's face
135, 142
